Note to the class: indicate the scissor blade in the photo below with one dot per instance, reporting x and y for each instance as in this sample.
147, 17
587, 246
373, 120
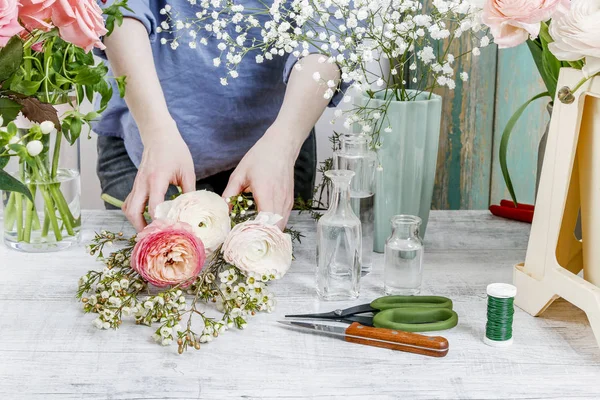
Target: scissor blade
326, 329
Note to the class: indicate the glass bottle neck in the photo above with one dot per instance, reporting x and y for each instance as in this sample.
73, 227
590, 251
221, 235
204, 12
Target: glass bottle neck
354, 144
405, 226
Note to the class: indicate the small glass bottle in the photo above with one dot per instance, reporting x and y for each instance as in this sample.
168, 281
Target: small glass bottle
403, 259
354, 155
339, 243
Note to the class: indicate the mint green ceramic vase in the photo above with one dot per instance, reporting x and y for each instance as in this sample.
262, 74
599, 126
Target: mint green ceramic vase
408, 158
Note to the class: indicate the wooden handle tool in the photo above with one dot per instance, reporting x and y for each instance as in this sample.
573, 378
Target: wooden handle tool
433, 346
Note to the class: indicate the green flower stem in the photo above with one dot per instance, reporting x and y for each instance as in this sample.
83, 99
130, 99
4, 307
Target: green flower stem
9, 213
56, 155
19, 209
52, 216
50, 208
63, 208
28, 221
46, 225
119, 204
36, 218
112, 200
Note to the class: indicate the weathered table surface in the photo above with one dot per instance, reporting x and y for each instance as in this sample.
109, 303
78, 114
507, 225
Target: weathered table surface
50, 350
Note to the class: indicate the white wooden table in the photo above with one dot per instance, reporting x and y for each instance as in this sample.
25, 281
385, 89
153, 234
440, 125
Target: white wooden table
50, 350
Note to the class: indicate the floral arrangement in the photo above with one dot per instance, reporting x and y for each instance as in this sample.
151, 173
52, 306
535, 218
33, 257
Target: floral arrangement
410, 44
45, 62
559, 33
195, 246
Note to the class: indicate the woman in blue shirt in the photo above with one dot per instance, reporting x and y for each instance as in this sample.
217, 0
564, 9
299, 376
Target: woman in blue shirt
179, 126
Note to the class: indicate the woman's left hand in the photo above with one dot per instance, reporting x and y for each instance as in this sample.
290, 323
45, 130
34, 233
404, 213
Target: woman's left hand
267, 170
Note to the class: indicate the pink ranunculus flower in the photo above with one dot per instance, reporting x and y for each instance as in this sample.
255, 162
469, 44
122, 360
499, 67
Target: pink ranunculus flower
205, 211
167, 254
36, 14
9, 22
79, 22
258, 246
512, 22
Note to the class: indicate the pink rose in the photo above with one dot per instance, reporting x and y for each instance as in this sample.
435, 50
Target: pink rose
79, 22
512, 22
9, 23
168, 254
258, 246
36, 14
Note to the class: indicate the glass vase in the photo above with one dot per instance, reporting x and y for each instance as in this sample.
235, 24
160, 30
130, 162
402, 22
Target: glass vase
52, 222
403, 258
354, 155
339, 243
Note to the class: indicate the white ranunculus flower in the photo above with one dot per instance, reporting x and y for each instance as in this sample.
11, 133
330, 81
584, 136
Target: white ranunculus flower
258, 246
576, 35
205, 211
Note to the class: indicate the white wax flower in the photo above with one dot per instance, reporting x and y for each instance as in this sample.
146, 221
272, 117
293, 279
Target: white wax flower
576, 35
205, 211
34, 148
258, 246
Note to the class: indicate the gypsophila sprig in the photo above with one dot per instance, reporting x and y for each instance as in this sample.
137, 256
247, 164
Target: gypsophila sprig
119, 291
409, 43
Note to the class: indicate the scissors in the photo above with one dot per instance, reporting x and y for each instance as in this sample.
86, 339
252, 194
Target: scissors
403, 313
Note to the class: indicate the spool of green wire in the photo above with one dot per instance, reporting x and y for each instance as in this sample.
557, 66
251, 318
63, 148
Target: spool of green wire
500, 311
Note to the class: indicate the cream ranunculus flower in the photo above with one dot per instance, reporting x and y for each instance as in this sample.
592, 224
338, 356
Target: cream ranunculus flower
576, 35
205, 211
258, 246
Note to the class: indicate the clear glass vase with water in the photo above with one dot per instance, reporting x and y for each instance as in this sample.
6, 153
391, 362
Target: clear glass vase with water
354, 155
403, 258
52, 221
339, 241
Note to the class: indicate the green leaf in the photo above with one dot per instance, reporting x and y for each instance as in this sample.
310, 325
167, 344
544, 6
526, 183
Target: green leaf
551, 65
504, 143
28, 88
121, 84
11, 57
90, 75
4, 161
9, 109
10, 184
536, 49
92, 115
75, 129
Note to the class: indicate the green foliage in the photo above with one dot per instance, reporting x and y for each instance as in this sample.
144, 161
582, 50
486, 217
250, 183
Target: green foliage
11, 57
114, 16
9, 109
10, 184
504, 143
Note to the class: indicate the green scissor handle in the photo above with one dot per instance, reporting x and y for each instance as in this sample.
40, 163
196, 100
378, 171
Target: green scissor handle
388, 302
416, 319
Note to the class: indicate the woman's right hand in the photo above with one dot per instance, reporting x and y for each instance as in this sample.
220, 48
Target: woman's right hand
166, 160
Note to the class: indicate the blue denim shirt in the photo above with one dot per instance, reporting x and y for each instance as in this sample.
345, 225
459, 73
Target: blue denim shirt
218, 123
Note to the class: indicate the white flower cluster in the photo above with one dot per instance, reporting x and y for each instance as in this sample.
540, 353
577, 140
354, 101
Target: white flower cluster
414, 44
110, 298
240, 290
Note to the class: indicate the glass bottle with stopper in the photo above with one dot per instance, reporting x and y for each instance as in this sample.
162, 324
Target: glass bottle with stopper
339, 243
354, 155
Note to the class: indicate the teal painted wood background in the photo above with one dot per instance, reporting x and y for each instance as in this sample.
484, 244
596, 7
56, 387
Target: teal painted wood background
474, 117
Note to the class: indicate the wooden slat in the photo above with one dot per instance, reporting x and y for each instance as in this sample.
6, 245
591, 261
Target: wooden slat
464, 160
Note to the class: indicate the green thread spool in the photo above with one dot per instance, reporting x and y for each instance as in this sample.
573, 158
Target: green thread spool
500, 311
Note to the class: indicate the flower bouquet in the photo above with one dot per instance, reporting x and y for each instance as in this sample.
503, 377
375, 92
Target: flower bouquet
559, 34
194, 246
46, 72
